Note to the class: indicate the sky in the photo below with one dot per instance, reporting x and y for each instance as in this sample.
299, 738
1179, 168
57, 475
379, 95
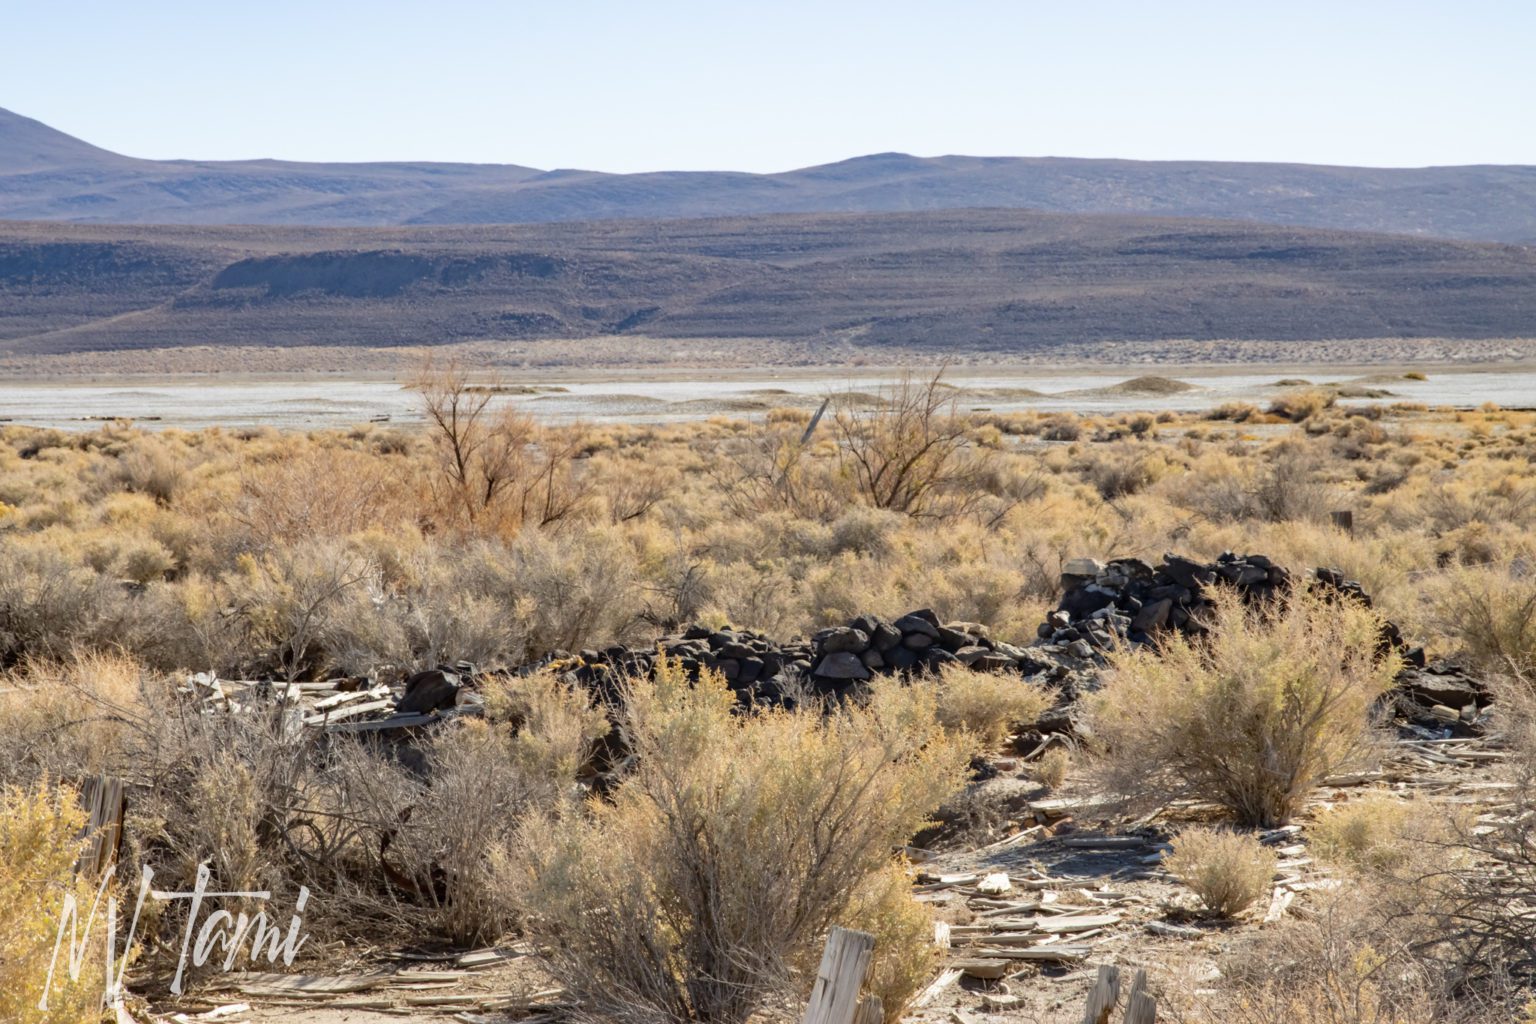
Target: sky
675, 85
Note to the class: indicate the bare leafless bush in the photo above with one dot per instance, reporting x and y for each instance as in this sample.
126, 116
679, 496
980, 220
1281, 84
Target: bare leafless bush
778, 469
1479, 928
496, 469
913, 453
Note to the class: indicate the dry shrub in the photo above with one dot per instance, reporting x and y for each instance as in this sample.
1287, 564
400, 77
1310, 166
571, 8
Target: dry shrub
443, 603
48, 604
289, 608
1301, 405
905, 954
777, 469
1228, 871
149, 466
40, 832
1353, 957
143, 560
1381, 833
1287, 486
395, 842
71, 717
399, 842
580, 590
987, 706
1492, 613
1339, 980
226, 822
1481, 919
1124, 471
555, 725
1061, 427
1235, 412
458, 836
1440, 930
702, 892
1251, 716
1053, 766
230, 791
319, 492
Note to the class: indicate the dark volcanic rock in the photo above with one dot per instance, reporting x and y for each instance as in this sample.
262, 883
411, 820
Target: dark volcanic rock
842, 665
844, 638
435, 689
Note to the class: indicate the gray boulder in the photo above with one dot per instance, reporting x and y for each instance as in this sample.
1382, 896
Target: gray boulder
842, 665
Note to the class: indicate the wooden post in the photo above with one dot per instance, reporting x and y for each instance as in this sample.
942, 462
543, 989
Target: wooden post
835, 996
1141, 1008
1344, 520
103, 800
811, 427
871, 1011
1103, 996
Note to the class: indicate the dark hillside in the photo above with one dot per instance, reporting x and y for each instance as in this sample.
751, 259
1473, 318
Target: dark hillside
999, 280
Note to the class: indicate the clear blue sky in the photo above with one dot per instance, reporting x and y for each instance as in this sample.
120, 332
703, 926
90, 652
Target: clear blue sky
627, 85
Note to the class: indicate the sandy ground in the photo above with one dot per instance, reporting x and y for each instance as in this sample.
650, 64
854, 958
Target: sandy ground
1082, 862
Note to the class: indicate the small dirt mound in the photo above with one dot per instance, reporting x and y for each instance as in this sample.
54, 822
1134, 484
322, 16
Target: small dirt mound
1146, 387
1151, 385
999, 394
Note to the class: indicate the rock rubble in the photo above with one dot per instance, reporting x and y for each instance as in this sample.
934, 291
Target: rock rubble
1104, 605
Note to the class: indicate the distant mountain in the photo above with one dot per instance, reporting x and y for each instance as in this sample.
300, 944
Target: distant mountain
47, 175
1007, 282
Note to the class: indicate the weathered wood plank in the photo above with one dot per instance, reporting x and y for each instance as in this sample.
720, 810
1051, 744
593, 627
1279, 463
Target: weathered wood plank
105, 805
844, 965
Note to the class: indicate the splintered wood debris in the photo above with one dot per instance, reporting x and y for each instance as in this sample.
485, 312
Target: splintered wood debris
1027, 917
337, 705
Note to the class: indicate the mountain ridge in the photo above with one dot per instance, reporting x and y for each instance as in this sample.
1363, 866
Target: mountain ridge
49, 175
1007, 282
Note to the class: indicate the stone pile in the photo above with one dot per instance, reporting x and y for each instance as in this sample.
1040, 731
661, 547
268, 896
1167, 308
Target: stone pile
756, 667
1103, 605
918, 641
1126, 600
1443, 695
831, 663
